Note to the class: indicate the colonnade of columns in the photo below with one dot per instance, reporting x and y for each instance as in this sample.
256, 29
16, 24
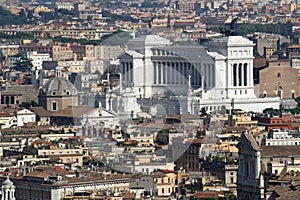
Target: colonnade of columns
240, 74
9, 99
177, 73
127, 72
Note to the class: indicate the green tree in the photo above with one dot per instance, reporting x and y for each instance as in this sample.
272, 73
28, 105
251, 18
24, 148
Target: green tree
27, 105
47, 16
22, 13
23, 64
284, 45
256, 54
7, 18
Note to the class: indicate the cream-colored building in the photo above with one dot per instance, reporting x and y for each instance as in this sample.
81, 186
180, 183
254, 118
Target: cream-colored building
62, 52
167, 183
244, 120
108, 52
64, 5
72, 156
39, 9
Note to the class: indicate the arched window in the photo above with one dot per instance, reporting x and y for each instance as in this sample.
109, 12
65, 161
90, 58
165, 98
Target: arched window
293, 94
265, 94
279, 92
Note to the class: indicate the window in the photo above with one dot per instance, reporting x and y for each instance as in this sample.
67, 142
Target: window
54, 106
278, 75
293, 94
279, 92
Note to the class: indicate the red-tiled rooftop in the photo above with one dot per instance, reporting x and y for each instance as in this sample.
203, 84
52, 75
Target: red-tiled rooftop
166, 171
207, 194
294, 47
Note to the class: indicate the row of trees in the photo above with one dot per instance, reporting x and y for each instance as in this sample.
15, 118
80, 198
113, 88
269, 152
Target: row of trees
113, 17
28, 17
58, 14
18, 35
284, 29
116, 38
277, 28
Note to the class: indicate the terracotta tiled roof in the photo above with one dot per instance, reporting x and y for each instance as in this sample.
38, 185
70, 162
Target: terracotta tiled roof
7, 114
166, 171
294, 47
280, 151
208, 194
158, 174
41, 111
128, 195
259, 63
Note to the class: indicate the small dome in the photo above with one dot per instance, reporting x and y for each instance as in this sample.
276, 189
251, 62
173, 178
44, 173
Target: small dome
58, 84
8, 183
